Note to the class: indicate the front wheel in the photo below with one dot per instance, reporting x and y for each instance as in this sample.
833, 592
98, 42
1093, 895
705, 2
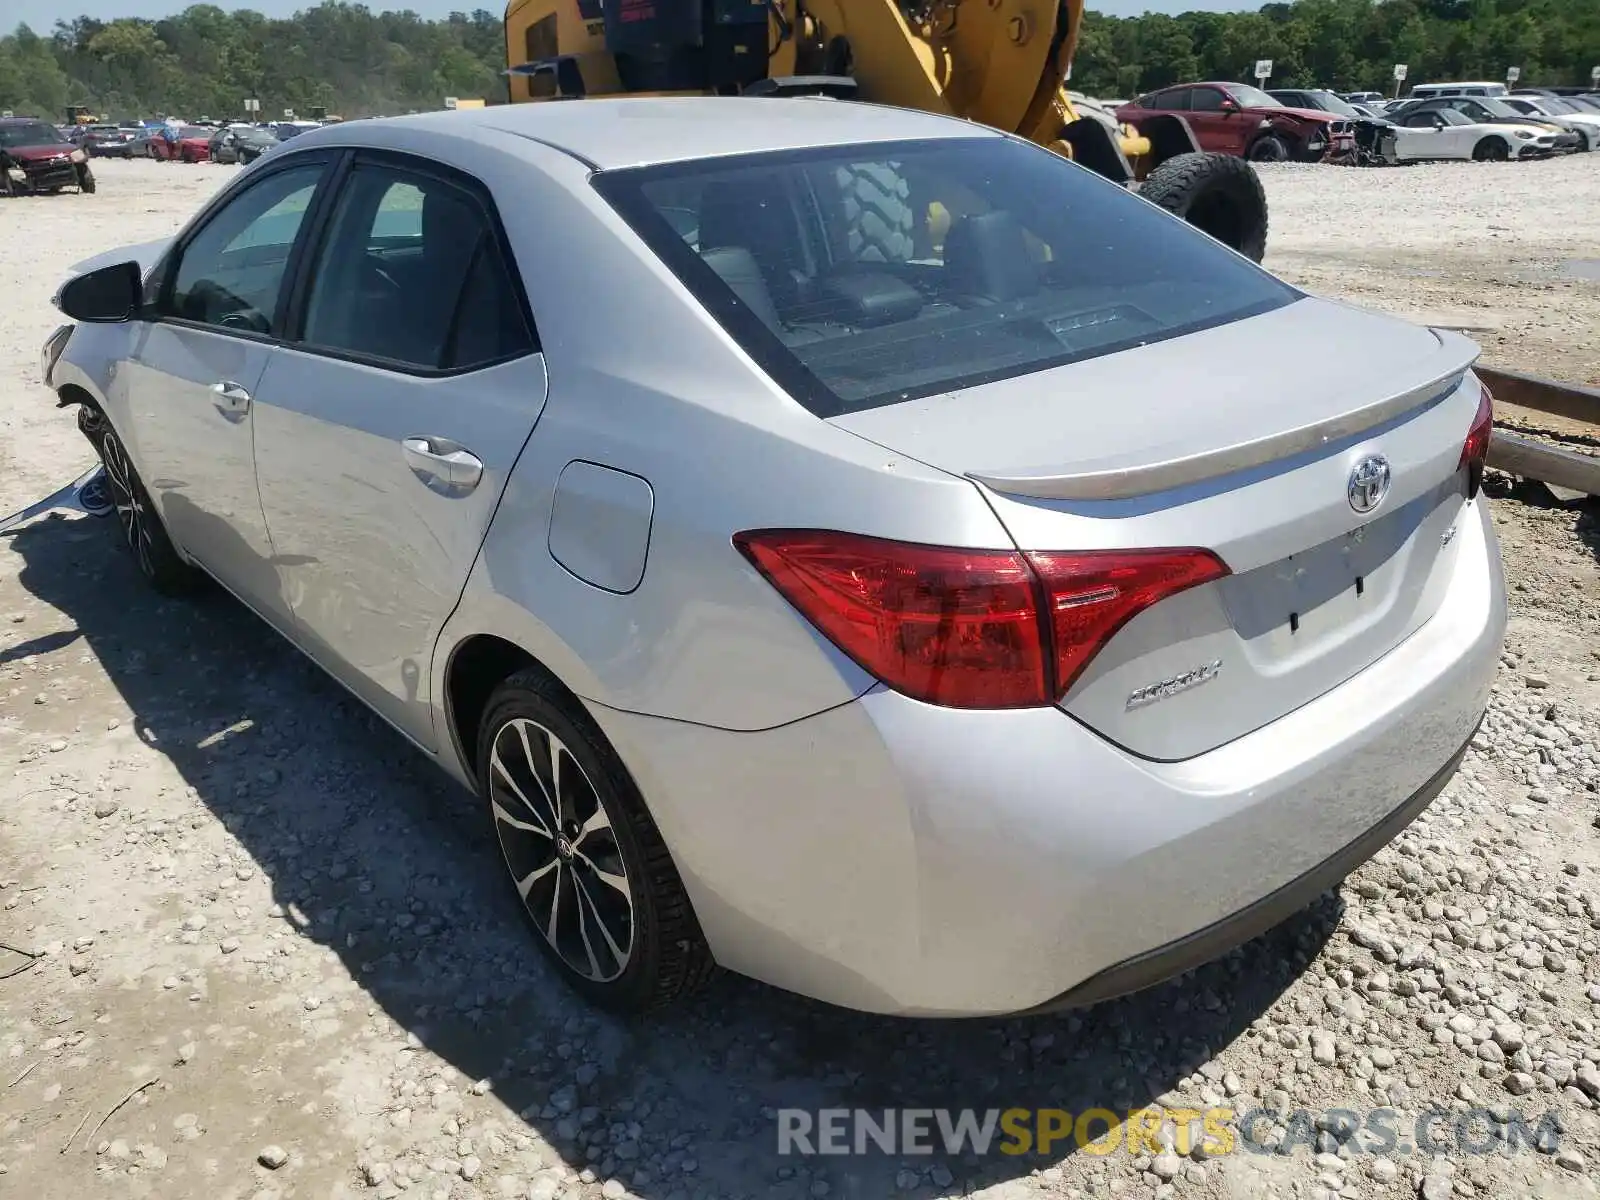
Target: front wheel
159, 561
86, 184
590, 870
1270, 148
1491, 149
1217, 194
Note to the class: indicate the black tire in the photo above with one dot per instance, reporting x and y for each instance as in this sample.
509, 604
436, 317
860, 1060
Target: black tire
531, 723
1269, 148
86, 184
1216, 193
159, 561
1491, 149
877, 213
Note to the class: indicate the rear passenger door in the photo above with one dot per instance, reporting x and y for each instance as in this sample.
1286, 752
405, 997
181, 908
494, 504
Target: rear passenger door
390, 420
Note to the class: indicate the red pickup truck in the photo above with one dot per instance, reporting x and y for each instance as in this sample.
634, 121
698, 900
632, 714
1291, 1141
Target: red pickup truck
1236, 118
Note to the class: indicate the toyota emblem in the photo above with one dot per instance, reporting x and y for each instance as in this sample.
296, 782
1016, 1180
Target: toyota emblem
1369, 483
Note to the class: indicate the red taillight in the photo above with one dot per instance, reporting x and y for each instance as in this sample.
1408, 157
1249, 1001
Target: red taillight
963, 628
1476, 448
1092, 595
952, 627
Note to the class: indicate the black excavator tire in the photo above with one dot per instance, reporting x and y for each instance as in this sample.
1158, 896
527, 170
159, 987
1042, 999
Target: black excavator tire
1218, 194
878, 213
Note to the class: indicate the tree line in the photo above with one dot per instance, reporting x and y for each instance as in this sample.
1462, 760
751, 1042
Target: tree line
357, 62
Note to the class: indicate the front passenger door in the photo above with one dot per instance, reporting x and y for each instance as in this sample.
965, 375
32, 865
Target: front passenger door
1217, 130
386, 432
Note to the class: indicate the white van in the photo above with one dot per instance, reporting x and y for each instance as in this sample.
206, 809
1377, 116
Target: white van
1427, 91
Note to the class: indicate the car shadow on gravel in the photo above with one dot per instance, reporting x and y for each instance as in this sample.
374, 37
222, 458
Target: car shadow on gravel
385, 862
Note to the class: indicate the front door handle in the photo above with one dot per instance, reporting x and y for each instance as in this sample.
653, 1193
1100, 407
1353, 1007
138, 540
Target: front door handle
232, 399
441, 460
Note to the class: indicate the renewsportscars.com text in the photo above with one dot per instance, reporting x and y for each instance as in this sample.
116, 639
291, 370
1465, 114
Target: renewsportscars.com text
1211, 1132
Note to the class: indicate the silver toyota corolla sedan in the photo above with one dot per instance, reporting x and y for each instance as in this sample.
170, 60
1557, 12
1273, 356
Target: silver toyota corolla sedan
846, 545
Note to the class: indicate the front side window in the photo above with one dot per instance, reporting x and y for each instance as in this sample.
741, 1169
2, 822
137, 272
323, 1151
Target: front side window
1252, 97
864, 275
412, 273
1206, 100
231, 272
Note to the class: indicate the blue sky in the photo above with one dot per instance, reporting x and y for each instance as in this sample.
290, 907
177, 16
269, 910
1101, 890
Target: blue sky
43, 14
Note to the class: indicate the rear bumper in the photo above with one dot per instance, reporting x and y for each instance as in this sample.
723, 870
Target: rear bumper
1204, 945
895, 857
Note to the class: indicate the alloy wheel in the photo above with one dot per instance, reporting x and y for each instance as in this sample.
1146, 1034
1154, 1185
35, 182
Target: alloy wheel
561, 849
125, 494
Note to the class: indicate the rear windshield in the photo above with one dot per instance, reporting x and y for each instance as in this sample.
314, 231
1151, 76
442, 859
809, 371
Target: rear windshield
864, 275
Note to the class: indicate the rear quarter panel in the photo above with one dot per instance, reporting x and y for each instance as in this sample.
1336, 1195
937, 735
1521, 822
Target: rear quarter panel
703, 637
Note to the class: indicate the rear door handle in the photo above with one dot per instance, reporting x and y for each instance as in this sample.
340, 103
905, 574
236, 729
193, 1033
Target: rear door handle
232, 399
440, 459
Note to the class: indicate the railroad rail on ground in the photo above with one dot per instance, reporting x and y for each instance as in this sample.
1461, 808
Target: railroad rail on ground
1533, 459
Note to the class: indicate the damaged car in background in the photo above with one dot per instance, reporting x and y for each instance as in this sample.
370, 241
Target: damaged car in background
1374, 135
35, 158
1236, 118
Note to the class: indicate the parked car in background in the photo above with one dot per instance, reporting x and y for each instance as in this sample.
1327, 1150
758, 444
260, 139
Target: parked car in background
1569, 116
36, 157
107, 141
1237, 118
1374, 135
1565, 92
191, 145
241, 143
1489, 110
288, 129
1364, 97
1430, 133
1427, 91
1056, 618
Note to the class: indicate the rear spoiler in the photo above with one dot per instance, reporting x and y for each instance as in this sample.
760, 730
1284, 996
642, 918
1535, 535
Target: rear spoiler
1114, 479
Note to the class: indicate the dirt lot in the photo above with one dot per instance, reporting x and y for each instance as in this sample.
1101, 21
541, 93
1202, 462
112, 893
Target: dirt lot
277, 960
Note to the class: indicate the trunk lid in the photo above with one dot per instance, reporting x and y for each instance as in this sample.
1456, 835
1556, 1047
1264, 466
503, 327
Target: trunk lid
1243, 440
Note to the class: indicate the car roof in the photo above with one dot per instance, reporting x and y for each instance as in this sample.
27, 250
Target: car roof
614, 132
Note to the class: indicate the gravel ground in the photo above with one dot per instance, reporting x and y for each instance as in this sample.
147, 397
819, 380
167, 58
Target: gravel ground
282, 943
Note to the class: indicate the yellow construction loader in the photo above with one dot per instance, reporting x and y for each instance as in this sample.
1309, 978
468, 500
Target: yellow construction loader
1004, 63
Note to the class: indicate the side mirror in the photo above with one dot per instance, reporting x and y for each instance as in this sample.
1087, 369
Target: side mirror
105, 296
1229, 105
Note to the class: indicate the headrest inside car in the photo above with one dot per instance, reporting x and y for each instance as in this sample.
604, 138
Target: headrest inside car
868, 298
986, 257
737, 268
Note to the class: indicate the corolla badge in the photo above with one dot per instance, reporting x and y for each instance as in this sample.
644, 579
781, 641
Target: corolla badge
1151, 692
1369, 483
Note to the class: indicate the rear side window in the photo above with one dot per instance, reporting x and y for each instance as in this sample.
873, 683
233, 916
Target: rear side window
412, 273
865, 275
